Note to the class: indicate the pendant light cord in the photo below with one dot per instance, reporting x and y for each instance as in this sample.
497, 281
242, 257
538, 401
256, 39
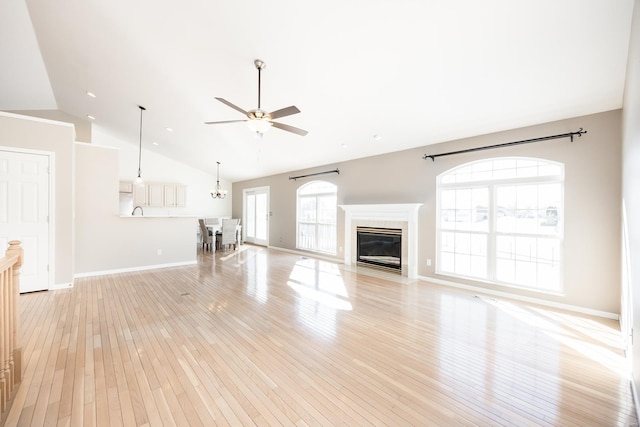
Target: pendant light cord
140, 146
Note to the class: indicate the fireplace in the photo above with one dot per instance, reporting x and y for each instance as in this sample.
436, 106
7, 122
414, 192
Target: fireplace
401, 216
379, 247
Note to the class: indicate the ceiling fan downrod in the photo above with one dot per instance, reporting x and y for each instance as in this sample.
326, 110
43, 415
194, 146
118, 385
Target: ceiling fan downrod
260, 65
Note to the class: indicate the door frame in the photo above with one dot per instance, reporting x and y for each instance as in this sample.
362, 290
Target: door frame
245, 192
51, 202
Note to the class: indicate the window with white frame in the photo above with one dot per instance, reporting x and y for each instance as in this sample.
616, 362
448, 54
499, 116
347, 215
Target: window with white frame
316, 222
501, 220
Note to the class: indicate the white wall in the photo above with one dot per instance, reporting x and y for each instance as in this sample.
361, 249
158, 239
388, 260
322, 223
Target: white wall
631, 185
55, 137
161, 169
105, 242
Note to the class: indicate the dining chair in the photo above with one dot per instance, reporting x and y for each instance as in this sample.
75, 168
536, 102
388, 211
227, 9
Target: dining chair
229, 232
207, 236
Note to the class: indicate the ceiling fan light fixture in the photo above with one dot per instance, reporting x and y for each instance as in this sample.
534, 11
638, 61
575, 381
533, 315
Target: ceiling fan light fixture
259, 125
259, 119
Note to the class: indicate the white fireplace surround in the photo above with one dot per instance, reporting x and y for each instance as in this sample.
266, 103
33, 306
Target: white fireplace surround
402, 215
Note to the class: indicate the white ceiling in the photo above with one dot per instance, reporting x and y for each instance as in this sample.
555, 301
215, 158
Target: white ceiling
415, 72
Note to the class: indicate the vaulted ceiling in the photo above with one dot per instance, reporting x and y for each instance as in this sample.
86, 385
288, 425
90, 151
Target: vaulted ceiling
368, 76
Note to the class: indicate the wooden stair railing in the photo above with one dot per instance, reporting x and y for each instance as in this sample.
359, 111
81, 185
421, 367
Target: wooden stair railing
10, 352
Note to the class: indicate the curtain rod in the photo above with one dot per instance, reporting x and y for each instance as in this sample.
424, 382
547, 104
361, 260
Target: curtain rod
314, 174
506, 144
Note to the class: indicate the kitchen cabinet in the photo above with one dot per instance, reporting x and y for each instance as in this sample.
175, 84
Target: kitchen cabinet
126, 187
169, 195
181, 196
174, 195
139, 195
155, 195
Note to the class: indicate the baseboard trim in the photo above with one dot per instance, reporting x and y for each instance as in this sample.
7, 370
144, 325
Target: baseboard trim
568, 307
308, 254
131, 269
634, 393
59, 286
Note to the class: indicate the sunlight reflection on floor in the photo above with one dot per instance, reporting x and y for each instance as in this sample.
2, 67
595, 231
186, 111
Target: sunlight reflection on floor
322, 294
573, 337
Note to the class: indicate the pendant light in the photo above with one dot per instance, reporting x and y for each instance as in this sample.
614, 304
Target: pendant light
218, 193
139, 178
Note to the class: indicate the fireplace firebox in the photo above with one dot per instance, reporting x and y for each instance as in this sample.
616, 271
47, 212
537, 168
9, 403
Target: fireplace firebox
379, 247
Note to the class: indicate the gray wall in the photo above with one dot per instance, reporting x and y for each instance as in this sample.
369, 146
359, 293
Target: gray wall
631, 184
592, 200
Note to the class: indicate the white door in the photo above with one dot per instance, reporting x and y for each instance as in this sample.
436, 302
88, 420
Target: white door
256, 216
24, 214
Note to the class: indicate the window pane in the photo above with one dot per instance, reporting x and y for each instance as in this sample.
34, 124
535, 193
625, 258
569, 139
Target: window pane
520, 221
481, 171
327, 209
478, 245
478, 266
505, 247
317, 212
447, 242
251, 224
526, 274
504, 169
448, 199
448, 219
446, 262
506, 270
506, 209
480, 212
463, 243
548, 251
326, 238
463, 264
307, 209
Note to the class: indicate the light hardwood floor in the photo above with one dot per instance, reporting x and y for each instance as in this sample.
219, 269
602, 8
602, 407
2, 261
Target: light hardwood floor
268, 338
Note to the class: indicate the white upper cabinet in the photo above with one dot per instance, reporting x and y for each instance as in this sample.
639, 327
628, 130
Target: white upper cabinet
139, 195
156, 195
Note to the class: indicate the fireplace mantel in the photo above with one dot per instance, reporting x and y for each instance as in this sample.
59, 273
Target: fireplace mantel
406, 213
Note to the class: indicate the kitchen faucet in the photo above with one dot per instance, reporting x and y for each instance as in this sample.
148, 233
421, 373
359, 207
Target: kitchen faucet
134, 211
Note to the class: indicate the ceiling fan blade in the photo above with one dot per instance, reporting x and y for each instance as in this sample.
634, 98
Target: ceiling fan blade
235, 107
284, 112
291, 129
224, 121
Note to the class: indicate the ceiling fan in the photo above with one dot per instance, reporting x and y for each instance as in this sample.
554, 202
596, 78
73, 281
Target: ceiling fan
260, 120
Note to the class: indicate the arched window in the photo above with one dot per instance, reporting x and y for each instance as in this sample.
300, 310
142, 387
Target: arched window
501, 220
316, 222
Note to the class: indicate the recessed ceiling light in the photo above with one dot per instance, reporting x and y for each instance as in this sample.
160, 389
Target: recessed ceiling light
91, 94
377, 137
155, 143
91, 117
169, 129
344, 145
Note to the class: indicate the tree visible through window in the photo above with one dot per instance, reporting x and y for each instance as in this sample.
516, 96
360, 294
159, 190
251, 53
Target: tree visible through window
500, 220
317, 204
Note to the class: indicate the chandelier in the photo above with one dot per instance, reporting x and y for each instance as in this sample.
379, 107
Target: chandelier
218, 193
